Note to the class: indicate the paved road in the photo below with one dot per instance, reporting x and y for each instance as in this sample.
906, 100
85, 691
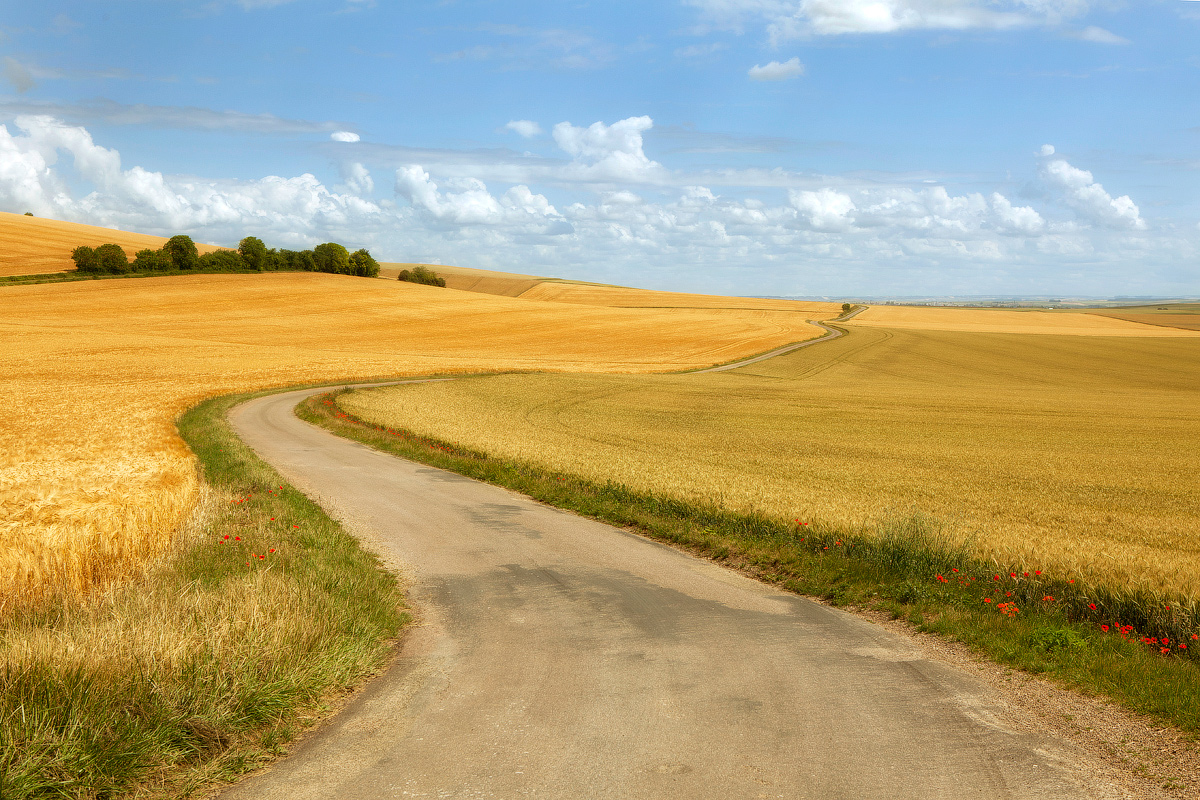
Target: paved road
557, 657
830, 333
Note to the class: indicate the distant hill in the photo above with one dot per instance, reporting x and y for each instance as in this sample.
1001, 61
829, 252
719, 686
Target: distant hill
32, 245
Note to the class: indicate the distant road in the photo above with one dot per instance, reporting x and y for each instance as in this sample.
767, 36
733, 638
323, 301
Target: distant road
830, 333
557, 657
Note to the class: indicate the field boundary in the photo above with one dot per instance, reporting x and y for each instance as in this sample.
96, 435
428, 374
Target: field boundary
270, 612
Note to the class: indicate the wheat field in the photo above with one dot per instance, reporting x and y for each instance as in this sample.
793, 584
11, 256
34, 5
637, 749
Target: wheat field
34, 246
1074, 453
94, 479
1008, 320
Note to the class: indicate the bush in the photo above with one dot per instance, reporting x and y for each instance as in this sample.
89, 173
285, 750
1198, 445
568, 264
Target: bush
331, 257
363, 265
222, 261
422, 275
111, 258
85, 259
253, 252
182, 252
151, 261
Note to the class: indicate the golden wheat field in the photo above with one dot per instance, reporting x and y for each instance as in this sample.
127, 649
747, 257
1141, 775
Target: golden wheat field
93, 478
1008, 320
1074, 453
33, 246
467, 279
594, 294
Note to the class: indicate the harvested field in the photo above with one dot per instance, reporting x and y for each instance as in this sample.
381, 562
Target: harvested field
1070, 453
94, 479
34, 246
505, 284
1006, 320
592, 294
1172, 315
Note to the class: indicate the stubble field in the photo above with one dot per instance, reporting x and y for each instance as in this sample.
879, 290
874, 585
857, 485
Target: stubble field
93, 476
1066, 452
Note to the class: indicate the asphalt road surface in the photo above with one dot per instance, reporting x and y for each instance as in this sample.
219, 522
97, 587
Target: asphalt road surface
557, 657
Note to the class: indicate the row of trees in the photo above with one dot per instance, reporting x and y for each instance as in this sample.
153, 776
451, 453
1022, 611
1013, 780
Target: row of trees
180, 254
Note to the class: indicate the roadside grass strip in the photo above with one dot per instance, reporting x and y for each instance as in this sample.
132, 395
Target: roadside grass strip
1136, 647
208, 664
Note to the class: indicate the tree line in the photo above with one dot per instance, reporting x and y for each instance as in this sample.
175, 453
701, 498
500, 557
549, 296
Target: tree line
179, 254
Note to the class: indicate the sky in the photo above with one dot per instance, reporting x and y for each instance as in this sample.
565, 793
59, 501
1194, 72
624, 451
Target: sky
755, 147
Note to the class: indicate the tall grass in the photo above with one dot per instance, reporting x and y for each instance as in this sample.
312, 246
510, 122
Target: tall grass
209, 663
907, 564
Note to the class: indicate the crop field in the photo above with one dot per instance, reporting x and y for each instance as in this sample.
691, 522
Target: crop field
93, 477
33, 246
1173, 315
619, 296
1070, 453
1007, 320
486, 281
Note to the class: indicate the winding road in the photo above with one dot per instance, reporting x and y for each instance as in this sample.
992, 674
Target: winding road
557, 657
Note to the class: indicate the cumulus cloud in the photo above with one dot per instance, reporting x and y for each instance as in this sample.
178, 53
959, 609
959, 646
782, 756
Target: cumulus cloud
524, 128
344, 136
606, 227
826, 209
1080, 191
140, 199
776, 71
357, 179
607, 152
472, 203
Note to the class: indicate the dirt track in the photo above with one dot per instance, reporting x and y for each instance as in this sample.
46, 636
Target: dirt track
559, 657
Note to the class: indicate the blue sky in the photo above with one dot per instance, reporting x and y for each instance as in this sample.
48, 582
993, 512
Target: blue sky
788, 147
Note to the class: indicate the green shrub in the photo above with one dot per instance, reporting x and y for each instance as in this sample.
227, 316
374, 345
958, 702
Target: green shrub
422, 275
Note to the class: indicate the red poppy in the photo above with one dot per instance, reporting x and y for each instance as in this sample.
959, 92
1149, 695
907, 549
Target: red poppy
1092, 606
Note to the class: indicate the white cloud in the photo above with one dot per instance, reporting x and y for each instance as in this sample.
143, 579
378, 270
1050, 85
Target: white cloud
794, 232
825, 210
607, 152
788, 19
357, 179
525, 128
776, 71
1046, 150
182, 117
1099, 35
1088, 198
344, 136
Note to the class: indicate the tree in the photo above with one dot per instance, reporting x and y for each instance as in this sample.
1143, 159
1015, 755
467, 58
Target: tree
222, 261
254, 252
846, 308
111, 258
363, 265
150, 261
182, 252
420, 274
29, 213
332, 257
85, 259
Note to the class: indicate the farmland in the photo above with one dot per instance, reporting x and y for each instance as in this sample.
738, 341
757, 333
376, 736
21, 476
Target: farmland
93, 477
1066, 452
31, 245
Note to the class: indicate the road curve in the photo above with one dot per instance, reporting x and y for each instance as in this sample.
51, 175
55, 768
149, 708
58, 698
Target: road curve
557, 657
830, 333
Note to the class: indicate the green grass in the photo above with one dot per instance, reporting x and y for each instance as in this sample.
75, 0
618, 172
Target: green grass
208, 665
894, 568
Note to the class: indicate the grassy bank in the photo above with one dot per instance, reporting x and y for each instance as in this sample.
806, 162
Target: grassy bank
209, 663
1105, 640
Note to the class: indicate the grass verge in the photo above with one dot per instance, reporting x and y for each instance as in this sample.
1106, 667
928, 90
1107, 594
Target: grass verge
208, 664
1139, 649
